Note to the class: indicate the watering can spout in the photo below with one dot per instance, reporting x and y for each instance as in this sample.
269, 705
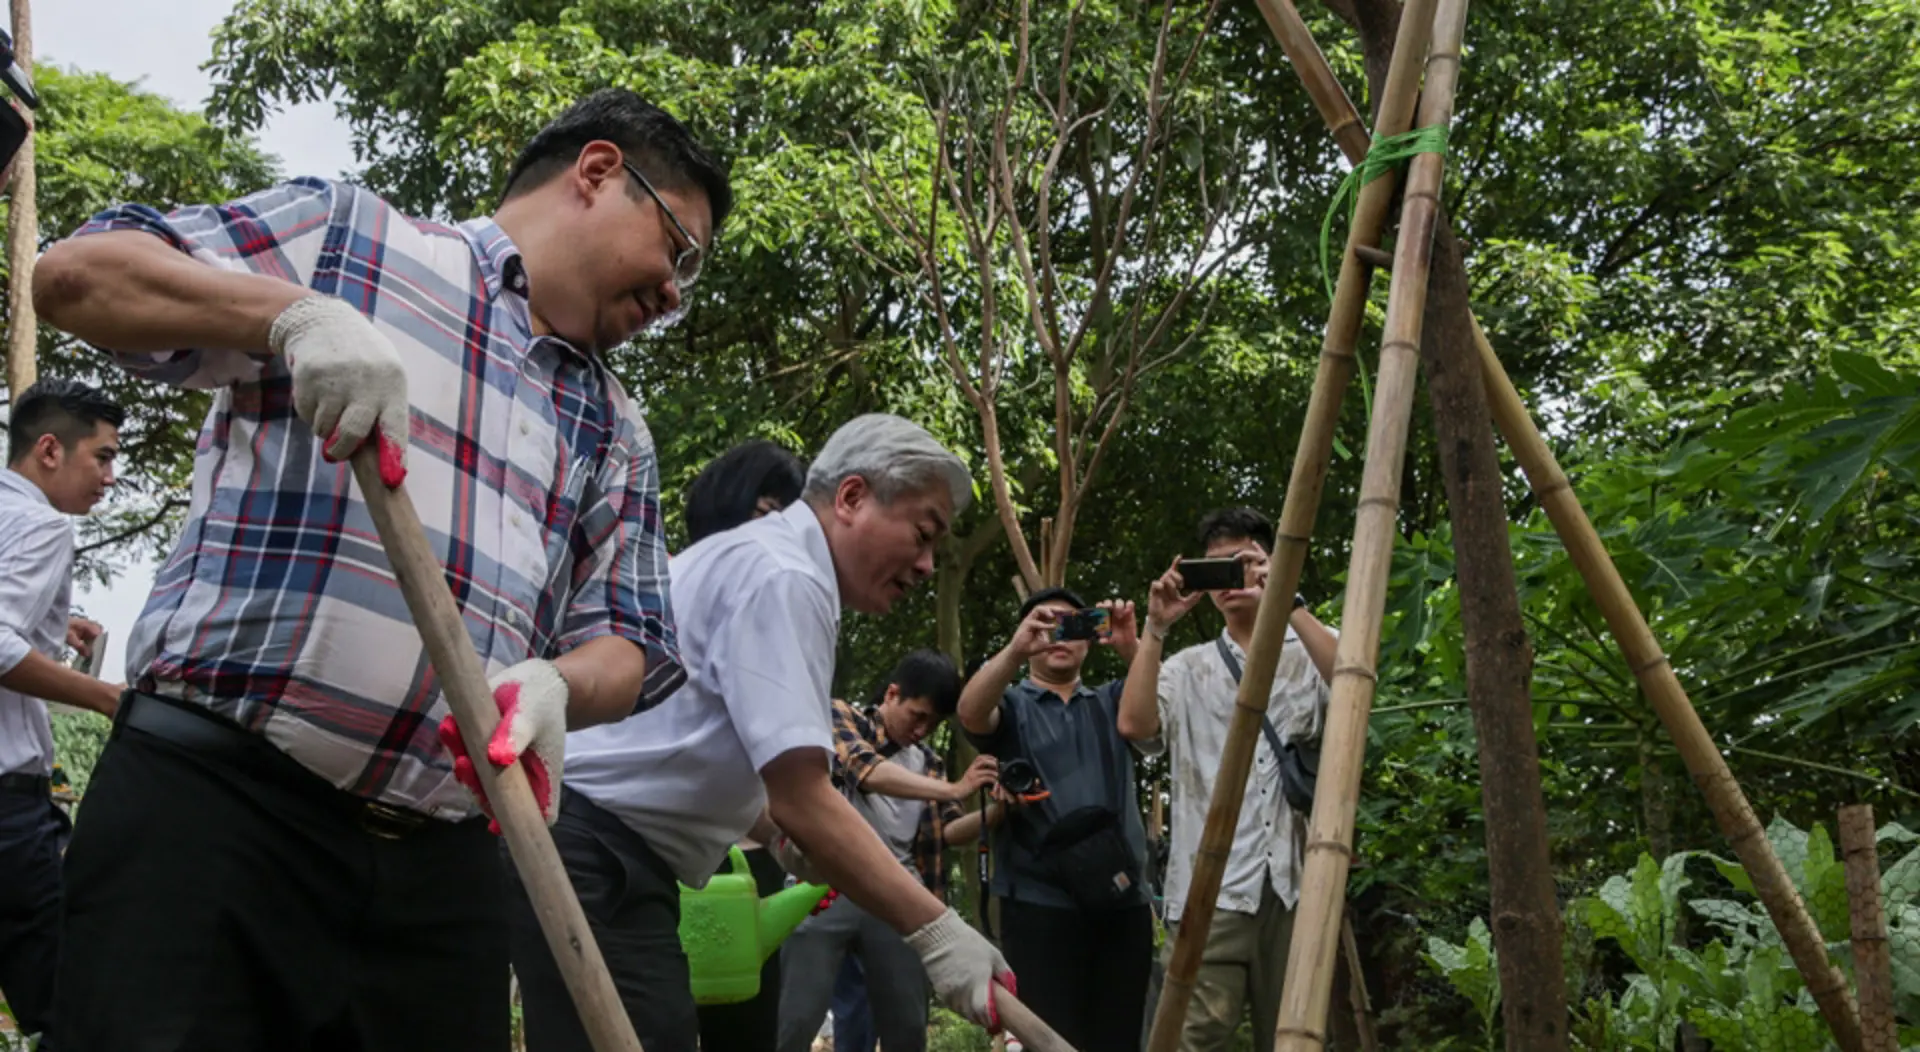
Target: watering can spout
783, 911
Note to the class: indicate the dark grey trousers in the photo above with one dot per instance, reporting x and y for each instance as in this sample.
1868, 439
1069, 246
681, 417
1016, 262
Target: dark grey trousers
810, 962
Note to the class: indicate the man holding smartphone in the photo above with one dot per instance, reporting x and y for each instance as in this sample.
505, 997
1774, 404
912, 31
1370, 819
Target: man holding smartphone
1069, 867
1183, 706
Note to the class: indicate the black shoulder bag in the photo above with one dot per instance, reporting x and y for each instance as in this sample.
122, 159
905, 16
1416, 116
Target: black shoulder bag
1299, 764
1086, 850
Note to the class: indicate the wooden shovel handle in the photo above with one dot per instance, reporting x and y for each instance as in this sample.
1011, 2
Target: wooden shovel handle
1019, 1020
463, 679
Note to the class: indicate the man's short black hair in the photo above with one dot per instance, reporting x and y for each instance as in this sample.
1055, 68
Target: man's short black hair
1050, 595
66, 409
656, 143
925, 674
727, 491
1237, 524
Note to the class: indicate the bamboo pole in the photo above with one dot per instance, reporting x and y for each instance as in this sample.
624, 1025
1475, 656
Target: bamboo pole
1872, 953
423, 584
1656, 677
1316, 925
1302, 505
23, 232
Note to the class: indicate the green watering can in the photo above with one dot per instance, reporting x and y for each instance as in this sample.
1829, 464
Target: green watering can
729, 931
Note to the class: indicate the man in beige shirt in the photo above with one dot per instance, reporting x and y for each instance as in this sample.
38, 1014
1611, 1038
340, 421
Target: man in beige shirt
1183, 706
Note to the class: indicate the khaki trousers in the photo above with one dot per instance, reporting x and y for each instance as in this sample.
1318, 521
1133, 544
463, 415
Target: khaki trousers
1242, 967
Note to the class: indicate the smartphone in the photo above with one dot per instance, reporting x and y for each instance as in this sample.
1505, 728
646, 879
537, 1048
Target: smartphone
1213, 575
1090, 623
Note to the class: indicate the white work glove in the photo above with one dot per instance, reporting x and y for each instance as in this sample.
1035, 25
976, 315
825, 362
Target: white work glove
963, 968
533, 731
794, 860
348, 381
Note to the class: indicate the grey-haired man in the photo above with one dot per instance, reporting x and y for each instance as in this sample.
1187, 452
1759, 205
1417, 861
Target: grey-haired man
745, 746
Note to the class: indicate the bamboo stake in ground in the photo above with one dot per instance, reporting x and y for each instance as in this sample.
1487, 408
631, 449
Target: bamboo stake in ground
1656, 677
1872, 953
1316, 924
23, 232
1297, 514
463, 679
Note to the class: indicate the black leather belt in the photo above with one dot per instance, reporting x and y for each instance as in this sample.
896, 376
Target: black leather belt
26, 784
207, 734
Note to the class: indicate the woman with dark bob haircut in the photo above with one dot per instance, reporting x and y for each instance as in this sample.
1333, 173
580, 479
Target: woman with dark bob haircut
752, 479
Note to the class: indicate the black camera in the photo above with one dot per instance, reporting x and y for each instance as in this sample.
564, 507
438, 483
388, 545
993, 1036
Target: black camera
13, 127
1018, 777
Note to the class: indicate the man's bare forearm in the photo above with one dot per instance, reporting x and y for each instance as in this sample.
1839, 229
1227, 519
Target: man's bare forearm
131, 292
1139, 716
891, 779
1321, 644
980, 698
604, 678
39, 676
966, 828
841, 846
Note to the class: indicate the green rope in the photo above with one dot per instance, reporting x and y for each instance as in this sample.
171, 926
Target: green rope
1382, 156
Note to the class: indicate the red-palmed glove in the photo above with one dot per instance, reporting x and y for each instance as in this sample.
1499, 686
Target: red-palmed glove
963, 968
533, 731
348, 382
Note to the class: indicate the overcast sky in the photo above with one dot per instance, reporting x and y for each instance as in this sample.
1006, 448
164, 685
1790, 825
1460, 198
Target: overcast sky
161, 44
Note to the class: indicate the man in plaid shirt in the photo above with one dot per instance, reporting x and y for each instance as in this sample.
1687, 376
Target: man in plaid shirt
275, 851
899, 785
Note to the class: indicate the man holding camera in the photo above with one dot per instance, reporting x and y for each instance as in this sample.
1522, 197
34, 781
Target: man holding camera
1070, 866
883, 767
1183, 706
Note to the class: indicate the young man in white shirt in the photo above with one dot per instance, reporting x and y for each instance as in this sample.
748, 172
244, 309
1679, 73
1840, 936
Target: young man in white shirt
746, 745
62, 439
1183, 706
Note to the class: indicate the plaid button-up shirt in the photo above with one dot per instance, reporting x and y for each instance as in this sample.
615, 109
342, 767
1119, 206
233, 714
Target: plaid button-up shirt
532, 470
859, 745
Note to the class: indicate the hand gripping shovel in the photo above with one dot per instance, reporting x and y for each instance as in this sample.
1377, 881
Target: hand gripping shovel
463, 679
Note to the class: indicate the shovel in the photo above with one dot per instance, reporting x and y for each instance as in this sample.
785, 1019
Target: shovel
463, 679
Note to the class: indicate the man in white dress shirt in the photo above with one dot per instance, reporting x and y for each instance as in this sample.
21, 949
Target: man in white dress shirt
62, 439
1183, 706
745, 746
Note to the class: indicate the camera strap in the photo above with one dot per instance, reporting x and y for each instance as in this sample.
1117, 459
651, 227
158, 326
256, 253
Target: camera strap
1266, 722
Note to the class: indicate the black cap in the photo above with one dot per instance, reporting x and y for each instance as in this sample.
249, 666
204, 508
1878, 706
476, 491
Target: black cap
1049, 595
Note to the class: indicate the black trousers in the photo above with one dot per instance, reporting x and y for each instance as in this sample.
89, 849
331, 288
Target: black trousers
750, 1026
235, 903
33, 833
1085, 973
632, 903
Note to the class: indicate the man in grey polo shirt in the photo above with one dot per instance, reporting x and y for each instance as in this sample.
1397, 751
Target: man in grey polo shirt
1069, 870
744, 746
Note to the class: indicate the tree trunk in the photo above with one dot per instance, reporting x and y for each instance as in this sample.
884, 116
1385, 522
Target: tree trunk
1526, 920
23, 234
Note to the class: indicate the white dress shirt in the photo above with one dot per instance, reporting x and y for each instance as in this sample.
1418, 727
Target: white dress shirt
36, 581
1196, 698
759, 613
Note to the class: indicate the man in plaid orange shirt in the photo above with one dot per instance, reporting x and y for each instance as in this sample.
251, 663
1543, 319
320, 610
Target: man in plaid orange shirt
899, 785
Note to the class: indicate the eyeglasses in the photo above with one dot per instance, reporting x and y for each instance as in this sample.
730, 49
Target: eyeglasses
686, 261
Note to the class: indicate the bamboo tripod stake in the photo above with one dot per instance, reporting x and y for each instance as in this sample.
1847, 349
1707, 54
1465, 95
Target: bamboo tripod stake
463, 679
1316, 926
1301, 506
1631, 633
1872, 952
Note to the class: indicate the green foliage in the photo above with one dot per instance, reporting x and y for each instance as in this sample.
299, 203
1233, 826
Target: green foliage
1473, 971
78, 738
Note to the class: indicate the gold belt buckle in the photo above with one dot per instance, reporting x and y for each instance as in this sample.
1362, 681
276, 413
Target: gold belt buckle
388, 822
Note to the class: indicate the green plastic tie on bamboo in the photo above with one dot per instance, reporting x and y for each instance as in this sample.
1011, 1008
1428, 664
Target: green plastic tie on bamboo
1381, 158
